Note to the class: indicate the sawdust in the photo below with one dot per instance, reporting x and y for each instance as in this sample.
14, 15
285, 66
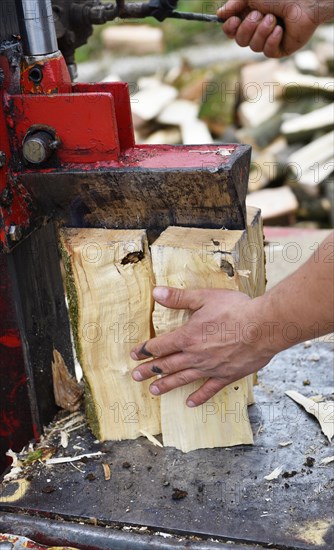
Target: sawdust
314, 532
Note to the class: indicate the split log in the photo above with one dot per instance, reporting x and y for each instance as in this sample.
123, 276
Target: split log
220, 95
150, 101
276, 204
303, 127
263, 135
133, 39
207, 258
109, 286
307, 62
296, 85
195, 132
312, 164
255, 113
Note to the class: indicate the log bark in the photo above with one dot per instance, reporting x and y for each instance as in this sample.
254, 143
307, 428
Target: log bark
208, 258
109, 284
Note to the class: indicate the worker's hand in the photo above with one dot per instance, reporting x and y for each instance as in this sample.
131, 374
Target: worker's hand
254, 23
219, 343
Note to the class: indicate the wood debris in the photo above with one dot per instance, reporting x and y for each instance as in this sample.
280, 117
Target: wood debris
66, 459
67, 391
274, 474
323, 411
327, 460
106, 471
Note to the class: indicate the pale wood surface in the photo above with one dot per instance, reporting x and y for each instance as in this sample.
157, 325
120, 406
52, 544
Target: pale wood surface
205, 258
112, 276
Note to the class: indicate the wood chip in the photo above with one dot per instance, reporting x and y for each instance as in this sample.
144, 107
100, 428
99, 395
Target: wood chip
327, 460
274, 474
67, 390
324, 411
64, 439
151, 438
65, 459
106, 471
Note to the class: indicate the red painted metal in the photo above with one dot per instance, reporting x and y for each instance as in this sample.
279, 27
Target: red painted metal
55, 76
85, 124
16, 426
93, 124
121, 97
16, 206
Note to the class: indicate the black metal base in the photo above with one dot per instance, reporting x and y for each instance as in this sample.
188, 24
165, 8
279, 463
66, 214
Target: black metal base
227, 495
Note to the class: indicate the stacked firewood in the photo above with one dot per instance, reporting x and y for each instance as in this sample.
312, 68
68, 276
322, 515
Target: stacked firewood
286, 115
283, 108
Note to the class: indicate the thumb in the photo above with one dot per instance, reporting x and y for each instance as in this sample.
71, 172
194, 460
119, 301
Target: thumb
176, 298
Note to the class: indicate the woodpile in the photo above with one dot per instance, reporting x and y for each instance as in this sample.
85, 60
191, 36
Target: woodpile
284, 109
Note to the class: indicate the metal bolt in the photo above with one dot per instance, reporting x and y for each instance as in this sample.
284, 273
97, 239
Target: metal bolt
3, 159
15, 233
38, 147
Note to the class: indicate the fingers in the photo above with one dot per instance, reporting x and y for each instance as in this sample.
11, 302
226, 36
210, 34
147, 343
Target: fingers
166, 344
176, 298
205, 392
231, 26
174, 363
173, 381
248, 28
262, 32
273, 43
163, 345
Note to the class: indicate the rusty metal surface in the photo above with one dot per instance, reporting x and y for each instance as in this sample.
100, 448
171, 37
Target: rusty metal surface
150, 187
226, 493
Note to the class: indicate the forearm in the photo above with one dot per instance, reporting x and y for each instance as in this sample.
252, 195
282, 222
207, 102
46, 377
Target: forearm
300, 307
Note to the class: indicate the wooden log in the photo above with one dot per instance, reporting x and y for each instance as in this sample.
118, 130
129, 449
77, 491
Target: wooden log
303, 127
206, 258
263, 135
296, 85
312, 164
277, 203
109, 286
133, 39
